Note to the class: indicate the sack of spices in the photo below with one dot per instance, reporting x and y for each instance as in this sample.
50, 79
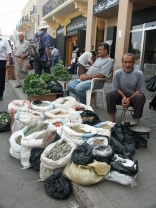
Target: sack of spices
58, 187
58, 113
64, 102
79, 107
98, 140
86, 175
105, 125
90, 118
56, 156
18, 105
41, 106
39, 134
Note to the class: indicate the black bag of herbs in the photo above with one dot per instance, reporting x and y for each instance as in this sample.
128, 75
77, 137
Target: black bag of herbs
5, 121
58, 186
54, 86
90, 118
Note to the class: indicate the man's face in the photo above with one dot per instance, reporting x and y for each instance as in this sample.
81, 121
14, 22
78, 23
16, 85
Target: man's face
21, 37
128, 63
101, 51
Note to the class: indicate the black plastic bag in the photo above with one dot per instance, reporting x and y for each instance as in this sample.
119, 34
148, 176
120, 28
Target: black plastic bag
35, 158
90, 118
103, 153
58, 186
125, 136
119, 167
83, 155
54, 86
5, 121
151, 84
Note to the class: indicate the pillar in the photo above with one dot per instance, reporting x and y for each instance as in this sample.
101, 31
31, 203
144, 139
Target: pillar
91, 26
123, 30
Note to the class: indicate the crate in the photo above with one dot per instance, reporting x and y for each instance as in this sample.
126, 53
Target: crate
46, 97
10, 73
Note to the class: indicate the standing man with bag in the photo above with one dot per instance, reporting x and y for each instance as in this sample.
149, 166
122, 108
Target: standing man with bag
5, 57
44, 61
21, 59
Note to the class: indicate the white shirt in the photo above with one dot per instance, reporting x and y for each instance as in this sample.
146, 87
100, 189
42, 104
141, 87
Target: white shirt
84, 58
55, 52
5, 48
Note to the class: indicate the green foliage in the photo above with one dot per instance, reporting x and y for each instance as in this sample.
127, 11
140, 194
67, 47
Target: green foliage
33, 85
60, 72
47, 77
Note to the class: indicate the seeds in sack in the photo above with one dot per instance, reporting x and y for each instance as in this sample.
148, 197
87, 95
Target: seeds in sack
106, 127
87, 118
77, 129
98, 142
35, 128
18, 139
59, 151
57, 124
49, 137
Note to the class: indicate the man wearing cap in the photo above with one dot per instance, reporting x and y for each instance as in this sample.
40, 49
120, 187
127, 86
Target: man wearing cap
5, 57
21, 59
44, 62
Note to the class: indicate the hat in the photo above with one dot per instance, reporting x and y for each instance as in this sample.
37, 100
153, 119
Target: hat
43, 25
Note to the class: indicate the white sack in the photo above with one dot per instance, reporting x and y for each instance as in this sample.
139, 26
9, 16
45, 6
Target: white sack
58, 113
18, 105
64, 102
103, 140
40, 108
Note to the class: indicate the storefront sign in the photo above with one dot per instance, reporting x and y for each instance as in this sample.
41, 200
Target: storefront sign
60, 30
77, 23
102, 6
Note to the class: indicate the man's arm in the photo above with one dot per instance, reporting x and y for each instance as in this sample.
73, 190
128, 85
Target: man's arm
85, 77
47, 50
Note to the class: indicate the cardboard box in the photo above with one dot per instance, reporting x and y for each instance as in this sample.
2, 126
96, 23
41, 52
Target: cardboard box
10, 73
46, 97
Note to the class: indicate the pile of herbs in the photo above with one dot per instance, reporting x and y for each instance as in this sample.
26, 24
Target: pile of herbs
60, 72
34, 85
47, 77
32, 128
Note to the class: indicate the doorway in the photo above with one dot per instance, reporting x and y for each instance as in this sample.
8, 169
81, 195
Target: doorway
70, 42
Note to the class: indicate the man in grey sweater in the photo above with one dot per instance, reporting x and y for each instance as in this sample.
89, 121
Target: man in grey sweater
127, 88
102, 67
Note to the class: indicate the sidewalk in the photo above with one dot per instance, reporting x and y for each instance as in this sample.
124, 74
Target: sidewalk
113, 195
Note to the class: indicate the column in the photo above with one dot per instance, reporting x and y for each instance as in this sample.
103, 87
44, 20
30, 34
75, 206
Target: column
123, 30
91, 26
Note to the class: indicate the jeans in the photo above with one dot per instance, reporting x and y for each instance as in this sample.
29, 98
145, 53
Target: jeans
79, 88
54, 60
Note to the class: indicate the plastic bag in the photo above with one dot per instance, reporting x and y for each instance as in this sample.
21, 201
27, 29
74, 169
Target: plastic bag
82, 155
121, 178
90, 118
151, 84
5, 121
54, 86
35, 158
58, 187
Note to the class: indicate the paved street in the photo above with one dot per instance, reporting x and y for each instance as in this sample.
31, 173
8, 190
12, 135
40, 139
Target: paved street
20, 189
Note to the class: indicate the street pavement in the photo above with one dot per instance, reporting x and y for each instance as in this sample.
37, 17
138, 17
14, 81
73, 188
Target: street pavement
20, 189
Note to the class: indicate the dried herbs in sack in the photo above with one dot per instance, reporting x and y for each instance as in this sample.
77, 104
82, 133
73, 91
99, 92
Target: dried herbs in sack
90, 118
41, 106
83, 155
79, 107
86, 174
124, 166
56, 156
35, 136
24, 118
58, 186
79, 133
64, 102
58, 113
105, 125
15, 144
98, 140
5, 121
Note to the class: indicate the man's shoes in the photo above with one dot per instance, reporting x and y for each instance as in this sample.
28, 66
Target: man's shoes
18, 86
1, 98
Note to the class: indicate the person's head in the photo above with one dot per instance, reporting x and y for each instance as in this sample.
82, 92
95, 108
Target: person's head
21, 36
128, 61
43, 26
74, 48
93, 56
103, 50
54, 46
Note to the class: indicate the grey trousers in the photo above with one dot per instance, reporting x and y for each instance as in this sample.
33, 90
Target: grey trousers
137, 102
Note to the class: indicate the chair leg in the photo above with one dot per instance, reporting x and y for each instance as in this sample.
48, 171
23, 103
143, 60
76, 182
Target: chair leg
88, 97
95, 96
103, 99
123, 112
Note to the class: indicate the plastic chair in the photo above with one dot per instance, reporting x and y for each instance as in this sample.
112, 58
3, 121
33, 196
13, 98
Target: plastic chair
91, 90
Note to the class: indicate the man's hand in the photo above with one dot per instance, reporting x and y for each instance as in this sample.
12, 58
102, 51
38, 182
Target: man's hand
125, 102
89, 63
24, 56
7, 65
83, 77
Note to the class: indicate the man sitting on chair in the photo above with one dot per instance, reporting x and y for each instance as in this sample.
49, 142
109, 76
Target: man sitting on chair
127, 87
102, 68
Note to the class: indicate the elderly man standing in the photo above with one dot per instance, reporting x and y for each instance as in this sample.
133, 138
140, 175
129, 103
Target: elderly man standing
44, 62
128, 84
102, 67
21, 59
5, 57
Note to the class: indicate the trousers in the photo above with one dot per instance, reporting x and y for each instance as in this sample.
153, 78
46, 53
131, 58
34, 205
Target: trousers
113, 98
41, 65
2, 76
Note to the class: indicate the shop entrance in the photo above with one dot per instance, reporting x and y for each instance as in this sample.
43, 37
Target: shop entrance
70, 42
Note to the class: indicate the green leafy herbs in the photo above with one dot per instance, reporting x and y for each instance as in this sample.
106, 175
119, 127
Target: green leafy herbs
4, 117
60, 72
34, 85
47, 77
